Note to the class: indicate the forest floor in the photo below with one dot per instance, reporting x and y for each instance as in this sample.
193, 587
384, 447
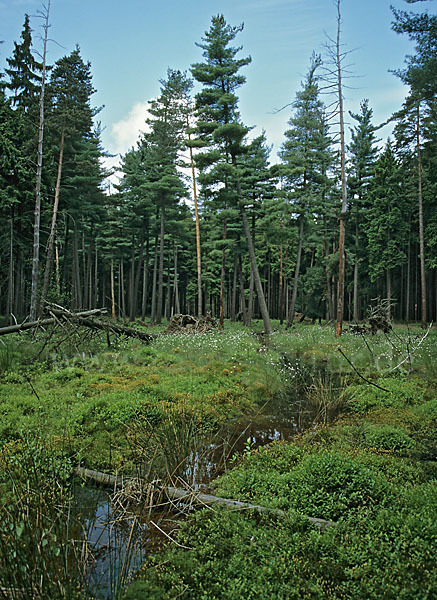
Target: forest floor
367, 461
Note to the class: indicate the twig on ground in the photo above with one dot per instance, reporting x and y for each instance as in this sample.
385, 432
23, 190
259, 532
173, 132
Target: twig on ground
359, 374
408, 357
169, 537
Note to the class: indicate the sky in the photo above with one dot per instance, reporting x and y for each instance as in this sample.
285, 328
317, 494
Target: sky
131, 44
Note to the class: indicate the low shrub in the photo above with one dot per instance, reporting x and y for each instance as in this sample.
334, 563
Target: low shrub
388, 437
400, 392
326, 484
389, 554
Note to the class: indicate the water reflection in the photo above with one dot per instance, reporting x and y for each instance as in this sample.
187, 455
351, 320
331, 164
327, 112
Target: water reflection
116, 541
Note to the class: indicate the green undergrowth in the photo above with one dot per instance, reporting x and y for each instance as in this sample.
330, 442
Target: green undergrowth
89, 403
372, 471
230, 555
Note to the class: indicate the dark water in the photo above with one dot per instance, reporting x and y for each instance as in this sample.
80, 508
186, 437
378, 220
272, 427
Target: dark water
109, 531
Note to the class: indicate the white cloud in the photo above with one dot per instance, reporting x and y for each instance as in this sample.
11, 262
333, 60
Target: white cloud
126, 132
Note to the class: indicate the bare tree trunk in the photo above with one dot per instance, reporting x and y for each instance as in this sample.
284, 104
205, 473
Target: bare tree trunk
96, 279
168, 295
222, 280
388, 280
76, 270
161, 266
133, 312
342, 234
257, 280
234, 290
122, 303
112, 290
242, 298
356, 269
407, 292
176, 303
196, 216
145, 281
296, 273
51, 240
37, 212
421, 227
10, 292
155, 269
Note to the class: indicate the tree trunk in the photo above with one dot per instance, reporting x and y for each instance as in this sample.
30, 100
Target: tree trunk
234, 290
407, 291
222, 280
10, 292
389, 292
145, 281
196, 216
296, 273
51, 240
356, 269
242, 298
133, 312
161, 266
76, 271
112, 290
177, 308
421, 227
122, 304
37, 212
257, 280
155, 273
342, 233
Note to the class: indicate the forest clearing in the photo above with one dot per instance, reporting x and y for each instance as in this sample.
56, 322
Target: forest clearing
217, 366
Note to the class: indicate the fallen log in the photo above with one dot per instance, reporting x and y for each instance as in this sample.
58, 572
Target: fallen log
191, 497
113, 328
49, 321
84, 318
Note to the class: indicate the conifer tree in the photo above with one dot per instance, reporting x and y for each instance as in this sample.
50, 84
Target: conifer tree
386, 227
23, 90
221, 133
161, 157
362, 153
71, 115
305, 159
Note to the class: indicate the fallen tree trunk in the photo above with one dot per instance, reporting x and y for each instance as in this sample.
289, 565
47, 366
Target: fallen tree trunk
190, 497
85, 319
49, 321
113, 328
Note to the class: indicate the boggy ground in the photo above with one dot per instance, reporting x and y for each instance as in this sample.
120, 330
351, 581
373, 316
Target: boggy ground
372, 470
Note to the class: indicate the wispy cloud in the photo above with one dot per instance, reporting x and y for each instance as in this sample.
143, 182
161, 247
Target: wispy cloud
126, 132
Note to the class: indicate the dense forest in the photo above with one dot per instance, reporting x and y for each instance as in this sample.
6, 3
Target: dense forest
201, 221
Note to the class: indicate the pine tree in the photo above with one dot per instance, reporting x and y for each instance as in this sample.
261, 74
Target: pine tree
161, 155
305, 156
222, 134
421, 71
71, 115
23, 91
362, 153
386, 227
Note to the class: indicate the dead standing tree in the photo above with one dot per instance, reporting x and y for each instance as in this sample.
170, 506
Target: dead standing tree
334, 74
37, 211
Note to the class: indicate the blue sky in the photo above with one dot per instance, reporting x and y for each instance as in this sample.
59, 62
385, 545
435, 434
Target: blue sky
131, 44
